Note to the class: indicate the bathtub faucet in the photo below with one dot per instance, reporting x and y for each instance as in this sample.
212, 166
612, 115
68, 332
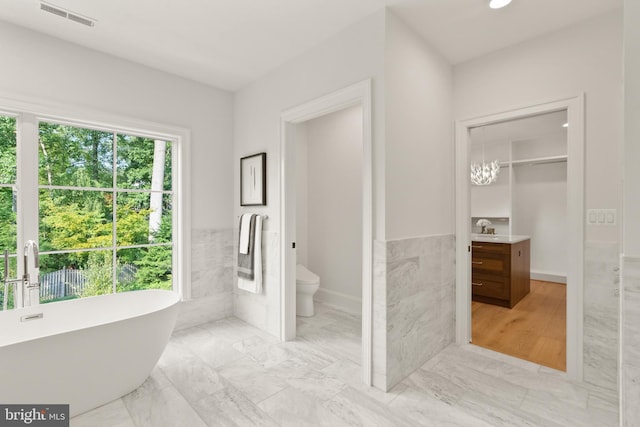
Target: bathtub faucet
31, 275
28, 293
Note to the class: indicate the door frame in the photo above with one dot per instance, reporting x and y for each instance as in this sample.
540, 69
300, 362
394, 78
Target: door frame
575, 216
356, 94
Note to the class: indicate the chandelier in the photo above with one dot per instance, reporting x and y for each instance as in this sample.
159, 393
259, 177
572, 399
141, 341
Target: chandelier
485, 173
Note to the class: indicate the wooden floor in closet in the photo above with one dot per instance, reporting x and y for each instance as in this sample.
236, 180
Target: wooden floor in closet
534, 330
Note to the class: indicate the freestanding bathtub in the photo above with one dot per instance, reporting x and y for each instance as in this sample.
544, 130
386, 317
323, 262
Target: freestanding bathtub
83, 352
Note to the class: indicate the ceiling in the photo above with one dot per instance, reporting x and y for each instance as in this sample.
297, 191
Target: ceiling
230, 43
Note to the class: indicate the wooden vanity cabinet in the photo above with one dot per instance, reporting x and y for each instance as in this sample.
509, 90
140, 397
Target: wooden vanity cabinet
500, 272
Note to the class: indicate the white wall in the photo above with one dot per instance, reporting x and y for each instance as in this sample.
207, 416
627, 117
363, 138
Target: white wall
335, 206
302, 194
540, 211
42, 67
631, 231
419, 150
585, 58
349, 57
492, 201
630, 319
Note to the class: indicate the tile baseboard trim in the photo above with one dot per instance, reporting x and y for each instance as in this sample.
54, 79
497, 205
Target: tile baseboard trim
549, 277
346, 302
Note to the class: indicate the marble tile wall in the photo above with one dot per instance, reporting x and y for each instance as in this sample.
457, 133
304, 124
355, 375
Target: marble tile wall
379, 316
417, 278
211, 278
261, 310
601, 313
630, 376
413, 300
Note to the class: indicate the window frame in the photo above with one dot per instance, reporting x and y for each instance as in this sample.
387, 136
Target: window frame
29, 113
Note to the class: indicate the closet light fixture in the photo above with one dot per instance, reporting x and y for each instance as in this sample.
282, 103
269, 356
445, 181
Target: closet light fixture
484, 173
497, 4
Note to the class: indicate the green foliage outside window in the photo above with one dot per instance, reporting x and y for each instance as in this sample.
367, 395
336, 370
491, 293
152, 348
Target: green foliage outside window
83, 219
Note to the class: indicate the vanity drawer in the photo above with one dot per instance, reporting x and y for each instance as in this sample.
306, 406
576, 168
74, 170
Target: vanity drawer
497, 264
490, 286
492, 248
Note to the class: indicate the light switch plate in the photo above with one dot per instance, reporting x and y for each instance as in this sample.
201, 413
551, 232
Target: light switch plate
602, 217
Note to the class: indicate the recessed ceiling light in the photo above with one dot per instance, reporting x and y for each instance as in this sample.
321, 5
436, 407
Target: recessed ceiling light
497, 4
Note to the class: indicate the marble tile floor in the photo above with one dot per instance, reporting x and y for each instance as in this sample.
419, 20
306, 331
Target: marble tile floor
228, 373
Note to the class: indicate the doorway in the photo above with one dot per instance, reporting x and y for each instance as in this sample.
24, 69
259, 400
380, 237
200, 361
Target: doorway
357, 94
519, 234
574, 108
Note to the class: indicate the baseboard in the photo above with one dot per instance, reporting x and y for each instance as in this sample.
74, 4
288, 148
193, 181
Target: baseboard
345, 302
549, 277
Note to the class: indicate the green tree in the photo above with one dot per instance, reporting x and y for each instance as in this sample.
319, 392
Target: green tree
83, 219
7, 176
154, 269
99, 274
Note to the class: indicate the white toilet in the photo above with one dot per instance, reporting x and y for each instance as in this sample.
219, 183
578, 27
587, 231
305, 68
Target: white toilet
307, 284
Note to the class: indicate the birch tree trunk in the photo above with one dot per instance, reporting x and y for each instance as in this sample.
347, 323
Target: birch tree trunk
157, 180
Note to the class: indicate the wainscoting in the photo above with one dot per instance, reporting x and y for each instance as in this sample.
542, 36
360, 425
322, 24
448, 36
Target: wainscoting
413, 304
211, 278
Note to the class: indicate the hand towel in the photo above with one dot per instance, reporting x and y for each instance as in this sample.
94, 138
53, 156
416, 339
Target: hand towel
245, 261
250, 265
245, 222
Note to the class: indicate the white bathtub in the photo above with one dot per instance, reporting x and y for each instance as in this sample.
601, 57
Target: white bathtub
84, 352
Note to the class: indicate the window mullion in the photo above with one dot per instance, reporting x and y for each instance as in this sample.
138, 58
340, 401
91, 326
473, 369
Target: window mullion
27, 180
114, 227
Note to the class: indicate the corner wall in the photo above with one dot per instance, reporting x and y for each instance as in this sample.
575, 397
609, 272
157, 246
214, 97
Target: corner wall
414, 280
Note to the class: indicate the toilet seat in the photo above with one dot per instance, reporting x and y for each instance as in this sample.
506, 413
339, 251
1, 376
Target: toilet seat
307, 284
305, 277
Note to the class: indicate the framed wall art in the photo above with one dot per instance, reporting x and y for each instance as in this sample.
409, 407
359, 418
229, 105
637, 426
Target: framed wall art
253, 180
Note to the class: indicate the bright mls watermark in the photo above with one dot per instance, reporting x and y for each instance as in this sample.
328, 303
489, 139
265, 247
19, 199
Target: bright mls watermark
34, 415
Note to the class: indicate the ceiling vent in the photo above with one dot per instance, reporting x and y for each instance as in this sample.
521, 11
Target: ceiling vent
72, 16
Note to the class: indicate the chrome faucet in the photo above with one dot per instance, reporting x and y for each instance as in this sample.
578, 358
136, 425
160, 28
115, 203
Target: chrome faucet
31, 282
7, 282
29, 291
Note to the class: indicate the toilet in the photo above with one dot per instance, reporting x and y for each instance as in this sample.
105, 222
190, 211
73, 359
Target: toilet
307, 284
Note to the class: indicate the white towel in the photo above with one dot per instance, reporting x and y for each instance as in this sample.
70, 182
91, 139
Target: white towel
243, 246
255, 285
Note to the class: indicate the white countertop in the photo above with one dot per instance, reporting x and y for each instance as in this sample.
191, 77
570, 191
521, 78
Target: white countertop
498, 238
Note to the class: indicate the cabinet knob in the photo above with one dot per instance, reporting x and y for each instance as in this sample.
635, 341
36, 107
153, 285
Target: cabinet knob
477, 284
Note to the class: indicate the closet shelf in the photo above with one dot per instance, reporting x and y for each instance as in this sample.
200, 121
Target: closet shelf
537, 161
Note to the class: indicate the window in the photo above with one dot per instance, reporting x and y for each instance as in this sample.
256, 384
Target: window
8, 194
102, 202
